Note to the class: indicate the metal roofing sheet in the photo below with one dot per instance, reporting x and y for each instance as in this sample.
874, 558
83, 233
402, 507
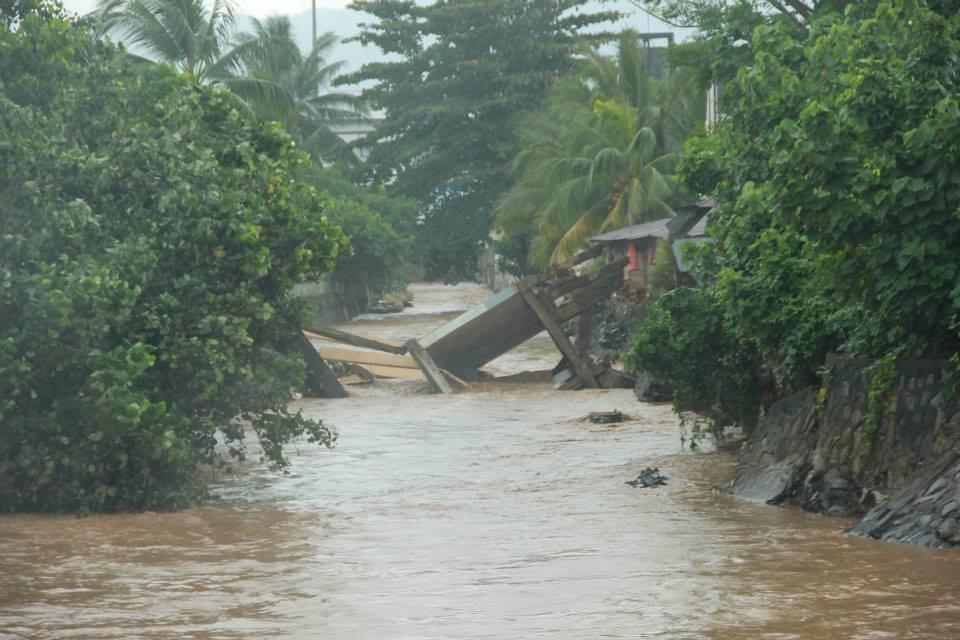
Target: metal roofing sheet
655, 229
700, 229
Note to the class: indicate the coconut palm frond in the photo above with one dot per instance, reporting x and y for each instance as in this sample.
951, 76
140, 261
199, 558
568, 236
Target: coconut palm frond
600, 155
572, 241
264, 67
258, 92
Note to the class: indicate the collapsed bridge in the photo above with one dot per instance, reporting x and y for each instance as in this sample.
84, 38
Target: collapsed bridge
455, 351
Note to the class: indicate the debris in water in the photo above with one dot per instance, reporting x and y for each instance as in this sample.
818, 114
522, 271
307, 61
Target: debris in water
605, 417
649, 477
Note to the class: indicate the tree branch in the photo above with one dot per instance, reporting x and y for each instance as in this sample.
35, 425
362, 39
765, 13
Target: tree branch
782, 9
642, 6
802, 8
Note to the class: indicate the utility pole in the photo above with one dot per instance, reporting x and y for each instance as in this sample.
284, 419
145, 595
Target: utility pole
313, 43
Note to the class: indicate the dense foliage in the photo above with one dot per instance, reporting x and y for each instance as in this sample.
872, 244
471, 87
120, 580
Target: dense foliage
150, 231
265, 67
600, 155
836, 167
713, 371
381, 230
465, 69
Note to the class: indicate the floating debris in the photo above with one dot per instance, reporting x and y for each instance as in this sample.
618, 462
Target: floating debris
649, 477
605, 417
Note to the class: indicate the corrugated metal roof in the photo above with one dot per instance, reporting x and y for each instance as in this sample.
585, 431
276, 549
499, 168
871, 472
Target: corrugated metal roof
655, 229
699, 230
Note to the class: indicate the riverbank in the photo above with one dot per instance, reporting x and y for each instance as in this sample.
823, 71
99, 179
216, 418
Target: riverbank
889, 457
892, 458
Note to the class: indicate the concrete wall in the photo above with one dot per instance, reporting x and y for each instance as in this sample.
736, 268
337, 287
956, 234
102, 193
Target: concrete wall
488, 272
324, 306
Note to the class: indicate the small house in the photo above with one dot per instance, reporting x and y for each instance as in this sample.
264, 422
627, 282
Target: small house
639, 244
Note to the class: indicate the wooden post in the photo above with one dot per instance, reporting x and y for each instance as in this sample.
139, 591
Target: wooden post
429, 367
320, 376
545, 311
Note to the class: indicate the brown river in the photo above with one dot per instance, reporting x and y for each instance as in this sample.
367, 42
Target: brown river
494, 513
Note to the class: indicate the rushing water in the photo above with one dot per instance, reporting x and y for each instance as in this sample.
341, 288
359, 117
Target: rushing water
495, 513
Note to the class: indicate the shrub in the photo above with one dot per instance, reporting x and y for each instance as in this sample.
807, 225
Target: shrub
683, 339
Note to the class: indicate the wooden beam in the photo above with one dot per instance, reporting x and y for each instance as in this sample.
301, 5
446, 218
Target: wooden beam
320, 377
564, 287
589, 296
429, 367
357, 341
587, 254
397, 344
344, 354
394, 373
546, 311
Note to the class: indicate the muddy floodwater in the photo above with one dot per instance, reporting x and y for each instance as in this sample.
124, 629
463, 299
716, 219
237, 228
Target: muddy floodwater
495, 513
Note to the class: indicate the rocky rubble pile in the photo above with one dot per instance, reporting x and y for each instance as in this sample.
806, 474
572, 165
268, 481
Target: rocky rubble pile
925, 511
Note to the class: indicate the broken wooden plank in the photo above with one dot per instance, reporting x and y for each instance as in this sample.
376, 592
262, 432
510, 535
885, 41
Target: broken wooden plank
319, 338
341, 354
547, 313
393, 373
429, 367
320, 377
573, 283
358, 341
589, 296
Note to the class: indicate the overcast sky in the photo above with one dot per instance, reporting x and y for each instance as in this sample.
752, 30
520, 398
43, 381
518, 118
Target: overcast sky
256, 8
334, 17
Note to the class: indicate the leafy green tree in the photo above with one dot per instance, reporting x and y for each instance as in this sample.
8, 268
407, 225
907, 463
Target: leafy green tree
466, 69
13, 11
381, 230
712, 13
150, 233
838, 181
600, 155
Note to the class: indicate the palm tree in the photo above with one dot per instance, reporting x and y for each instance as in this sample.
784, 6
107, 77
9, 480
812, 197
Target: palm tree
599, 156
181, 32
265, 68
269, 57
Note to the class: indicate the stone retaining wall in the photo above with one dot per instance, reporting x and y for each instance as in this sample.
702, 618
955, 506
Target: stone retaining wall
812, 450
